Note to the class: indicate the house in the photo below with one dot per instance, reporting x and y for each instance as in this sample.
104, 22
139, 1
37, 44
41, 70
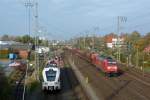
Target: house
147, 49
42, 49
8, 42
114, 42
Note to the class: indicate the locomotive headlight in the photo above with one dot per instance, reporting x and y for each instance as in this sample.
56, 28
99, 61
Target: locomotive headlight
56, 82
108, 68
115, 68
45, 83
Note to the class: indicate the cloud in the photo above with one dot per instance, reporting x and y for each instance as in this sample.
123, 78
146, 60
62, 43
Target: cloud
74, 16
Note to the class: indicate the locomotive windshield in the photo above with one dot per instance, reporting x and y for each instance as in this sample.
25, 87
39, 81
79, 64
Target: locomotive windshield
111, 62
50, 75
51, 65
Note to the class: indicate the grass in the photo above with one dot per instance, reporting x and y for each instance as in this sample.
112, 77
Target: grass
33, 86
32, 83
67, 65
5, 88
147, 69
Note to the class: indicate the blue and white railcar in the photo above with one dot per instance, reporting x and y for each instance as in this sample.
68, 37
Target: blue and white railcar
51, 78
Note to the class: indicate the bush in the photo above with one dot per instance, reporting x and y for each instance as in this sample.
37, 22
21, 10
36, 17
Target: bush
5, 88
33, 85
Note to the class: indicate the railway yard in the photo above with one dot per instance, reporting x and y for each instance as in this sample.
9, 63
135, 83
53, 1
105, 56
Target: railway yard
74, 50
129, 84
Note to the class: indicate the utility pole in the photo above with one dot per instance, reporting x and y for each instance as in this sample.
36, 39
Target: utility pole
28, 6
84, 37
93, 39
118, 31
120, 19
128, 53
137, 56
36, 42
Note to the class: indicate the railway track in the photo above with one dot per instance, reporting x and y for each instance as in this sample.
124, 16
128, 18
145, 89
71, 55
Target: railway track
74, 83
126, 86
131, 72
19, 88
71, 89
67, 92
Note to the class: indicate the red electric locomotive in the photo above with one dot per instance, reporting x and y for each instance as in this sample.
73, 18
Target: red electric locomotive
104, 63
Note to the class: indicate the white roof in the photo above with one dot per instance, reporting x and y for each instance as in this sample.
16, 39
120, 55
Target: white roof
8, 42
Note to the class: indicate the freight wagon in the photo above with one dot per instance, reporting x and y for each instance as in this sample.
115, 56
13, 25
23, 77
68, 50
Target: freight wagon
104, 63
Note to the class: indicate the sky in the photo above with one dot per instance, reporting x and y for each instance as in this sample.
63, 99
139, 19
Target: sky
65, 19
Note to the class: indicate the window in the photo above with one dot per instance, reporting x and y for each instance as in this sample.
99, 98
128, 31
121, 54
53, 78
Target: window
51, 75
111, 63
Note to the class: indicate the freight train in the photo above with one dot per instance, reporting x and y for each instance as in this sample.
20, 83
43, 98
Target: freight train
104, 63
51, 78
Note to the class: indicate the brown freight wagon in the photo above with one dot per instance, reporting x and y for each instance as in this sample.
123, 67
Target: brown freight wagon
4, 54
5, 51
23, 54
